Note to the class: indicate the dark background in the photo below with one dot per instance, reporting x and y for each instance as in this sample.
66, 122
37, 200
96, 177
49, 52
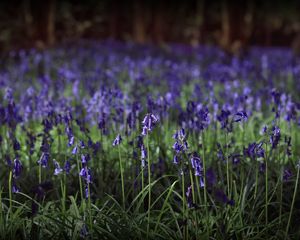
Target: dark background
233, 25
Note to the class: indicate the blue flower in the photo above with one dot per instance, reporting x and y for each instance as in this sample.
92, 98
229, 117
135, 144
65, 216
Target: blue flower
67, 166
75, 150
85, 173
44, 160
58, 170
275, 136
240, 116
197, 165
117, 140
17, 169
148, 122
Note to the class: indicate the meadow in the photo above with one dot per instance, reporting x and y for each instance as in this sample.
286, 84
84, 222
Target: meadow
107, 140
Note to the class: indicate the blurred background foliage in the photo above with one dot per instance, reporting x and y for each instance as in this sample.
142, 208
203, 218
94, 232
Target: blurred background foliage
233, 25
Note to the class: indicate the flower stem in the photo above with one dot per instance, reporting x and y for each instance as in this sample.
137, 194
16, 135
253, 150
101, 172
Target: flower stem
149, 182
10, 190
122, 178
292, 205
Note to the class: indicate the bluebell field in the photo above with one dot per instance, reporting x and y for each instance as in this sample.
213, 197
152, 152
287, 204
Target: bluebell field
107, 140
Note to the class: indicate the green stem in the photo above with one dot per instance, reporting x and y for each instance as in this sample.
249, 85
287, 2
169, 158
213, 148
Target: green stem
266, 193
80, 181
183, 203
122, 178
256, 178
40, 171
293, 202
90, 206
10, 191
227, 166
149, 182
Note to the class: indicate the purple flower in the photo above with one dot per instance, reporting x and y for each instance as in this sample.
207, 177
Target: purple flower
81, 144
197, 165
254, 150
223, 118
148, 122
240, 116
275, 136
58, 170
143, 155
85, 158
17, 169
15, 188
176, 160
16, 145
189, 197
75, 150
117, 140
264, 130
67, 166
44, 160
85, 173
86, 191
287, 174
71, 141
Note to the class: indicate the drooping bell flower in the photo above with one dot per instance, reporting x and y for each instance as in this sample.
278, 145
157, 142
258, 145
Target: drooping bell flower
143, 156
189, 197
148, 122
254, 150
17, 168
275, 136
75, 150
240, 116
85, 173
117, 140
58, 170
85, 158
67, 166
43, 161
197, 165
17, 145
287, 174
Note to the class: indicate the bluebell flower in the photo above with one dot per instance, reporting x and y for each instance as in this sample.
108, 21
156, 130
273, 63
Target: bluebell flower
240, 116
71, 141
58, 170
197, 165
17, 169
16, 145
223, 118
75, 150
117, 140
81, 144
143, 156
148, 122
275, 136
15, 188
43, 161
264, 130
86, 191
287, 174
67, 166
176, 160
254, 150
85, 173
189, 197
84, 231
